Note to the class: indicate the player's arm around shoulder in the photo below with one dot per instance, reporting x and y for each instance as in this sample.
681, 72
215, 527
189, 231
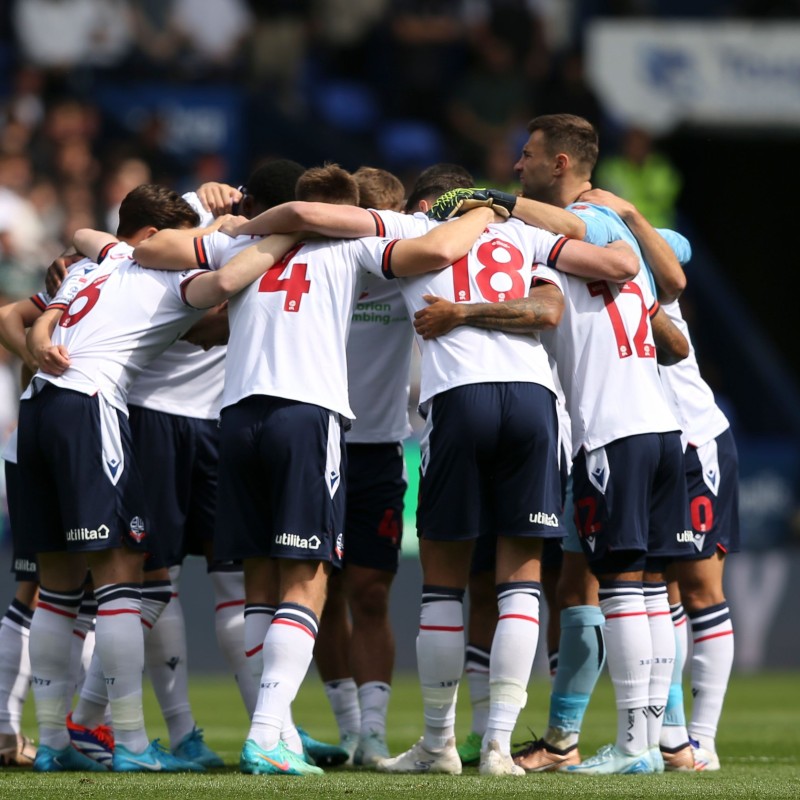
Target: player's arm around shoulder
15, 319
550, 217
326, 219
671, 345
659, 252
204, 289
177, 248
616, 262
442, 245
92, 243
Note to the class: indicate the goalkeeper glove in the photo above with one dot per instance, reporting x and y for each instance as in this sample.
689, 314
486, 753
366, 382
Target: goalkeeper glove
458, 201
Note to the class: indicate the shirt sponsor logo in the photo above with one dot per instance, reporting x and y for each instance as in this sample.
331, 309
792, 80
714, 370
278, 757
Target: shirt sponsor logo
87, 534
295, 540
540, 518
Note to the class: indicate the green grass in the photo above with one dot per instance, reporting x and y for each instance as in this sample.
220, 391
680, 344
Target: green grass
759, 744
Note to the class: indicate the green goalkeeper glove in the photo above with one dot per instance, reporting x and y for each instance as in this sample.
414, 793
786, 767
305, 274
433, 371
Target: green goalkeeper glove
457, 201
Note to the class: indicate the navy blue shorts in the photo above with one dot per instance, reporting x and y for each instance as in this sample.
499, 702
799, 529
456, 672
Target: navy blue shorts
72, 503
181, 456
642, 516
23, 562
489, 463
712, 479
376, 486
281, 474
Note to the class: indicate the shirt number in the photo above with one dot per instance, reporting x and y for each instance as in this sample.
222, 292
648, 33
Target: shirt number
641, 347
82, 303
496, 258
295, 285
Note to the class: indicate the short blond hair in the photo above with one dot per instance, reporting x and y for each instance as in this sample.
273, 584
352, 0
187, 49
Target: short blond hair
327, 184
380, 189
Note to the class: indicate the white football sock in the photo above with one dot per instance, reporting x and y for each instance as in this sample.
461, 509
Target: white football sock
712, 659
513, 650
373, 700
50, 642
165, 654
229, 626
15, 665
662, 633
476, 670
343, 696
120, 648
629, 652
288, 650
440, 661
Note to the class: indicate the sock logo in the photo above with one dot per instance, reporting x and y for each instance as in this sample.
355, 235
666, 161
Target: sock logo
173, 662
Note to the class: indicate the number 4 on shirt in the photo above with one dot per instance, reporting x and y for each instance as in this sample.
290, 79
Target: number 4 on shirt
295, 285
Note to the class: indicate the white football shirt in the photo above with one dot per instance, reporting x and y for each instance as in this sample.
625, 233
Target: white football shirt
689, 396
117, 317
289, 329
184, 380
500, 266
379, 346
606, 360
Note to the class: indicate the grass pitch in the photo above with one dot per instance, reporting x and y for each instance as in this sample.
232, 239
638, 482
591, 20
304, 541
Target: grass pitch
758, 743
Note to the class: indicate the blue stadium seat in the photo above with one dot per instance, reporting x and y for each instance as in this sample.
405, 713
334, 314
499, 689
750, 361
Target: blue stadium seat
404, 142
347, 105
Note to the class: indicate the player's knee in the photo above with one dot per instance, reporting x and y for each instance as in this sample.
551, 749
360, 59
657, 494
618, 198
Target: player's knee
370, 600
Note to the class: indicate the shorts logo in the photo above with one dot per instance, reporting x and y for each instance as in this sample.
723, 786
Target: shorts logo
540, 518
339, 547
137, 530
591, 541
295, 540
699, 541
87, 534
23, 565
685, 536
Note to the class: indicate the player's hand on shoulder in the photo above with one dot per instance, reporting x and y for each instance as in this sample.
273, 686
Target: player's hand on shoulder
229, 224
601, 197
53, 359
458, 201
57, 271
219, 198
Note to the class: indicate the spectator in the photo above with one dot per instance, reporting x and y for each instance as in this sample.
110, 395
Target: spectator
643, 176
490, 102
214, 32
63, 34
